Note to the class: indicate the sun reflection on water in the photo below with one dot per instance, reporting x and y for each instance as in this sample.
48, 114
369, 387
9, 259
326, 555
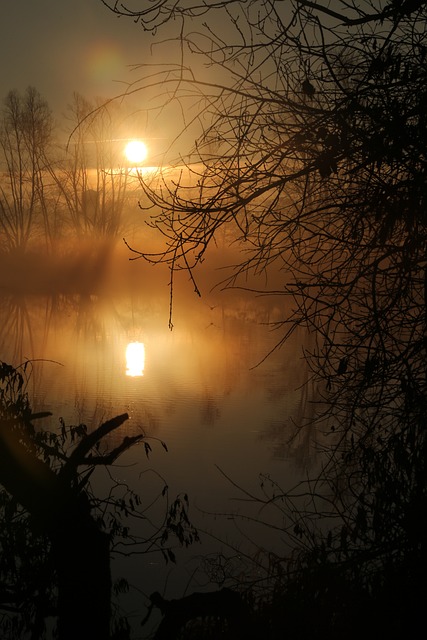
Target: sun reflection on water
135, 359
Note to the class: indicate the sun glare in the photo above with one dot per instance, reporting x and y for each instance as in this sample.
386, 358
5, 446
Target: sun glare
135, 359
136, 151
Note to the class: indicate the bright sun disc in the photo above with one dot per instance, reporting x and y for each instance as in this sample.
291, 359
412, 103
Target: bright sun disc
136, 151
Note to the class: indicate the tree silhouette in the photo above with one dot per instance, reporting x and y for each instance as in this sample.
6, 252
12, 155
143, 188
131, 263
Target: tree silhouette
25, 136
57, 535
90, 176
312, 154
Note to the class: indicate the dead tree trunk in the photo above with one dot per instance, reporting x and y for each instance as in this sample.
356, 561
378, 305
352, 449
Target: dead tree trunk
81, 554
80, 550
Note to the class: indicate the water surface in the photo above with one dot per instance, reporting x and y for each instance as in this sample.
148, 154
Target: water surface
205, 389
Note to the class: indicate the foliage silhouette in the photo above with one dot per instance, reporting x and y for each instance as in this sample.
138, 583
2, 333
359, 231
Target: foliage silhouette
57, 535
312, 156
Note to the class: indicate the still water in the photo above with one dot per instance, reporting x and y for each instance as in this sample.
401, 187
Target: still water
225, 412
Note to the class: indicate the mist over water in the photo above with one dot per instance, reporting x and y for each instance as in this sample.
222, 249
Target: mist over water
204, 388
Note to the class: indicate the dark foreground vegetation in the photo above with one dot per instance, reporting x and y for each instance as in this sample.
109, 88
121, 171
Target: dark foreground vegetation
57, 535
312, 158
366, 575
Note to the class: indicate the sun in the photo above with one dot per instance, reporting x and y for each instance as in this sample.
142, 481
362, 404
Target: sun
136, 151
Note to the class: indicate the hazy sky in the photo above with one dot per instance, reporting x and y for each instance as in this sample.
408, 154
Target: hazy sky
61, 46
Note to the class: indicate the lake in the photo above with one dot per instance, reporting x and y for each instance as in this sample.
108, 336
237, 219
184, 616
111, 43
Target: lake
225, 411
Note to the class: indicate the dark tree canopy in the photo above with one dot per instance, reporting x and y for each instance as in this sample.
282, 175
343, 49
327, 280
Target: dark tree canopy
312, 161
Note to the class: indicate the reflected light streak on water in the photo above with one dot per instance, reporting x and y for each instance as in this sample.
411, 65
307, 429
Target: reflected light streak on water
135, 359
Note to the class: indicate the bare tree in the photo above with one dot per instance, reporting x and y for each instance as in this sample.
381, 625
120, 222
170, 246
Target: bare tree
313, 151
25, 135
92, 178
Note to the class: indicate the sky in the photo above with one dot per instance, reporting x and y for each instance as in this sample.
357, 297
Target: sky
62, 46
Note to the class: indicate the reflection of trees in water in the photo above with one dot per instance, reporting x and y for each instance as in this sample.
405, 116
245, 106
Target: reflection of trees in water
89, 319
100, 329
80, 331
239, 325
200, 363
289, 384
15, 328
297, 435
209, 410
93, 411
19, 338
305, 439
245, 329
